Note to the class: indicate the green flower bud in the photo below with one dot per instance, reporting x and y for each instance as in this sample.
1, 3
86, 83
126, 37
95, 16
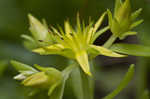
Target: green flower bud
123, 12
122, 22
38, 80
44, 79
40, 34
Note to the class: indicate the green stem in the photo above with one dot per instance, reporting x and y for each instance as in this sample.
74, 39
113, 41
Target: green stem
128, 77
82, 84
110, 41
142, 71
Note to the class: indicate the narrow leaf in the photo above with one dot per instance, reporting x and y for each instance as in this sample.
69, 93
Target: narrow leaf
110, 18
136, 24
124, 35
29, 42
128, 77
131, 49
135, 14
22, 67
100, 32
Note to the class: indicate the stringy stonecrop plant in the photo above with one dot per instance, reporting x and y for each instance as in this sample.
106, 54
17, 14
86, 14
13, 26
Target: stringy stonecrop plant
75, 43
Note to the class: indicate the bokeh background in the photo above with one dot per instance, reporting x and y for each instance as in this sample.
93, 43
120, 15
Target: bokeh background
14, 22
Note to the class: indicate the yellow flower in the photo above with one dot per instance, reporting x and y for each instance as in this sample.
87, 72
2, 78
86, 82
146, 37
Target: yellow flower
75, 43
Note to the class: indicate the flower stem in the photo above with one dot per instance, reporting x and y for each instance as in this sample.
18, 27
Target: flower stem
110, 41
82, 84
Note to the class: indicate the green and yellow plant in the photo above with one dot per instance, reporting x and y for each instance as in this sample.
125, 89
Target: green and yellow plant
77, 44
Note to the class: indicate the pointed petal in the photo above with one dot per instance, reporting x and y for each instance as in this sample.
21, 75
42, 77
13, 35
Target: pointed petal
67, 27
78, 23
82, 59
56, 49
105, 52
99, 22
52, 49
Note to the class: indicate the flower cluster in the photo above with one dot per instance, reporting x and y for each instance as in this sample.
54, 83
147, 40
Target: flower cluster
38, 79
76, 44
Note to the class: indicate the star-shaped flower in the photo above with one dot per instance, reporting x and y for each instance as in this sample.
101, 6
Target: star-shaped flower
76, 44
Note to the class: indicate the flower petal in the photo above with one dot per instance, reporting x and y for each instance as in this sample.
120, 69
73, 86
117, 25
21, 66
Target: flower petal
52, 49
56, 49
99, 22
105, 52
82, 59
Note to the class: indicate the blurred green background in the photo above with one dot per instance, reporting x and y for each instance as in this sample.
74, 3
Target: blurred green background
14, 22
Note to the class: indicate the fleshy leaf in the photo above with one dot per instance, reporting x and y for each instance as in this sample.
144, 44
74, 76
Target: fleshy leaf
110, 18
28, 38
128, 77
82, 59
131, 49
124, 35
135, 14
22, 67
136, 24
52, 88
29, 42
100, 32
106, 52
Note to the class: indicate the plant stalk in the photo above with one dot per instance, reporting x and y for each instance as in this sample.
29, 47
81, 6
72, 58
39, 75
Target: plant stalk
110, 41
